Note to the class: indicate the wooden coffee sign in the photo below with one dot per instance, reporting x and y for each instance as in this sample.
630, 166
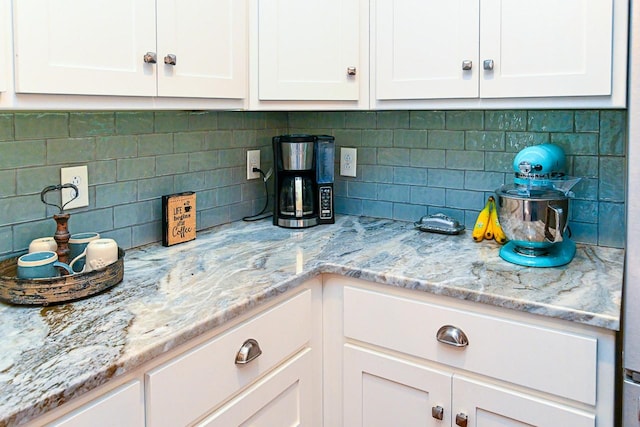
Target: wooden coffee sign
178, 218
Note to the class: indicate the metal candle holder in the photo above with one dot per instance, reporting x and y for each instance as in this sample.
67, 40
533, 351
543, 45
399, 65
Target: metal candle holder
62, 234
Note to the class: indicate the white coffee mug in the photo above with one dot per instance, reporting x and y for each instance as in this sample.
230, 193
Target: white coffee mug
43, 244
98, 254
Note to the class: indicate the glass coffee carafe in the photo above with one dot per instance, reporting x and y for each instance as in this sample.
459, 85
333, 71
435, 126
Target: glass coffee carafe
296, 196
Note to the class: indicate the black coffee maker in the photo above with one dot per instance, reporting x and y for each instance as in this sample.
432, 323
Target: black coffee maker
303, 180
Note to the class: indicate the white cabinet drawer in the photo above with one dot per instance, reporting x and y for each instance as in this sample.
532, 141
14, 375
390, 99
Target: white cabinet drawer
278, 399
541, 358
123, 407
191, 385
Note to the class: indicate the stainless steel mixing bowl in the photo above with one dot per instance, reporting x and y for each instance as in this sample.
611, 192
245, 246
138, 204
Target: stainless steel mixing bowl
535, 221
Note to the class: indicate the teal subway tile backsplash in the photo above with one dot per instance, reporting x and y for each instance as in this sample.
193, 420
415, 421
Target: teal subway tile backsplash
6, 127
91, 124
135, 122
464, 120
14, 154
515, 120
426, 119
613, 134
550, 121
133, 158
410, 163
466, 155
41, 125
446, 139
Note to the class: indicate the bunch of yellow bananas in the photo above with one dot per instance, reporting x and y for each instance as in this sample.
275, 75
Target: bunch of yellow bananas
487, 225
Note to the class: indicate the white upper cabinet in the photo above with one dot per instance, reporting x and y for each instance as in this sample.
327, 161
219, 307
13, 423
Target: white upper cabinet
5, 44
87, 48
546, 48
209, 41
309, 53
495, 53
126, 48
421, 47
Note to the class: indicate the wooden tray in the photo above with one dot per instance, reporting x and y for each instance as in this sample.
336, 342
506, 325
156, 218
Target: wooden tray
14, 290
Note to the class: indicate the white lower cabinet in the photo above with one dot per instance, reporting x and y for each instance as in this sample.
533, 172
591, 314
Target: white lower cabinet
481, 404
382, 390
279, 399
205, 382
192, 386
409, 358
339, 351
123, 407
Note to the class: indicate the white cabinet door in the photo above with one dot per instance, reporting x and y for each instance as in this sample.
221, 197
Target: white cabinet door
420, 47
209, 41
382, 390
511, 49
98, 47
546, 48
189, 386
5, 44
489, 406
123, 407
282, 398
305, 49
84, 47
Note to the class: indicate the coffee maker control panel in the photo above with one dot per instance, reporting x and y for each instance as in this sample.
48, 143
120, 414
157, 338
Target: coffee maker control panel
326, 202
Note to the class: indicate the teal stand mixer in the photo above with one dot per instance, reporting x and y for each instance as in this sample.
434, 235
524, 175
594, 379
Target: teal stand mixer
534, 210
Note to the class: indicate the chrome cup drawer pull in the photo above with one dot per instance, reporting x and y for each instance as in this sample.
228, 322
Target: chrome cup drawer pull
150, 58
170, 59
250, 350
452, 335
437, 412
462, 419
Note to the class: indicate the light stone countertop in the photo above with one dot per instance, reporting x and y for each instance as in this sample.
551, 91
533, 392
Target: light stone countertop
169, 295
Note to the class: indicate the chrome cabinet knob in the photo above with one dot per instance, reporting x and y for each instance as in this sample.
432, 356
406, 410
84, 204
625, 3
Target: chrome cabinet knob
150, 58
461, 419
249, 351
467, 64
452, 335
437, 412
170, 59
488, 64
351, 71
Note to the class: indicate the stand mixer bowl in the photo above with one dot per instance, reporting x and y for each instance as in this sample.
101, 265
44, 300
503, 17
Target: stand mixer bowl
533, 222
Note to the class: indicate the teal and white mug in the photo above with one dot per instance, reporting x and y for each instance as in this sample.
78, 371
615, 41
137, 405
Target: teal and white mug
98, 254
40, 265
77, 244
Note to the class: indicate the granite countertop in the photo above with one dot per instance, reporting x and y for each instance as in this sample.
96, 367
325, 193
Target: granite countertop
170, 295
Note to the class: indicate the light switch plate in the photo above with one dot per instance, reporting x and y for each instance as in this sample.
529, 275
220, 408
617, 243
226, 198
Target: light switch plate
348, 161
79, 177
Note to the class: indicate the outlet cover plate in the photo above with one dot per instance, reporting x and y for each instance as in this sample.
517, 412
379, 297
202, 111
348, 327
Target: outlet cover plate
348, 161
253, 160
78, 176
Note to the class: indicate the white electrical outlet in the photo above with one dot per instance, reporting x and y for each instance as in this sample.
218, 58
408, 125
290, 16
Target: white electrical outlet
253, 161
348, 161
79, 177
